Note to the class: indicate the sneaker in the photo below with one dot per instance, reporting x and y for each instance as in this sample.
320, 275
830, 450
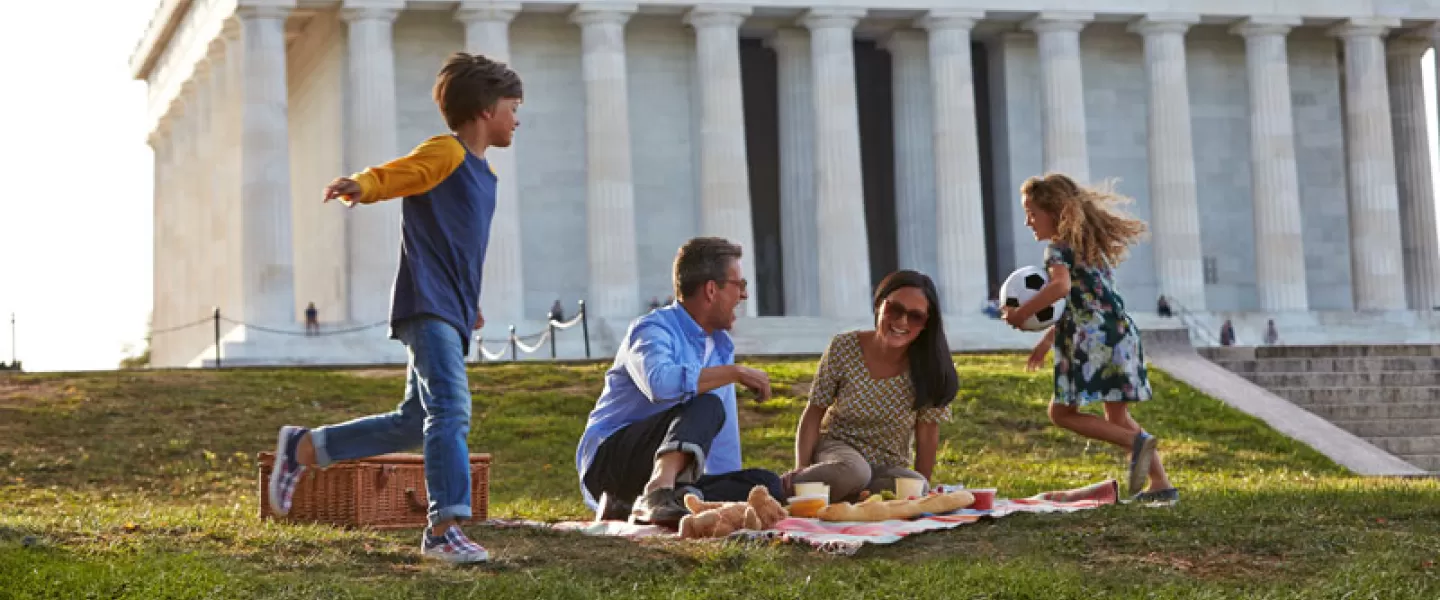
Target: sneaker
1141, 452
453, 547
611, 508
1165, 497
664, 507
286, 473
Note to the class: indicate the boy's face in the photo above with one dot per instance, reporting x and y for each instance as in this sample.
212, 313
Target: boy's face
501, 122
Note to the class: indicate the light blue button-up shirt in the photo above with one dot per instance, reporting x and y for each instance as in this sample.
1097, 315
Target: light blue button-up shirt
658, 366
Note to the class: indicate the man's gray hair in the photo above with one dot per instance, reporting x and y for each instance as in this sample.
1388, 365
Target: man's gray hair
700, 260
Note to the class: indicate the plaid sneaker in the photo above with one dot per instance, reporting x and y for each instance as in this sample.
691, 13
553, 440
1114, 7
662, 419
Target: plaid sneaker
1142, 450
286, 472
1165, 497
453, 547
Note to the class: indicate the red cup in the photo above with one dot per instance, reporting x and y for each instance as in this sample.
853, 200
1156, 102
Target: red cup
984, 498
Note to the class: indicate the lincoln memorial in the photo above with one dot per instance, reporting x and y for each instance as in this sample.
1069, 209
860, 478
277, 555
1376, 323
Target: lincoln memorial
1278, 150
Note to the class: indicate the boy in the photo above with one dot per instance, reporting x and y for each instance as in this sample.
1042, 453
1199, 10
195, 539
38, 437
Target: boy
449, 199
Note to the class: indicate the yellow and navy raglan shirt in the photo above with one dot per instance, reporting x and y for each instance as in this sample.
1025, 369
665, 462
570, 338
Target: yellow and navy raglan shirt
449, 201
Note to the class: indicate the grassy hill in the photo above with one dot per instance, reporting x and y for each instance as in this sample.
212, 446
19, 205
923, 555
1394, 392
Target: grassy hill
143, 485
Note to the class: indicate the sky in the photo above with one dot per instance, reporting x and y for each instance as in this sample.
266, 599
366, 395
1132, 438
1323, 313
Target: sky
75, 212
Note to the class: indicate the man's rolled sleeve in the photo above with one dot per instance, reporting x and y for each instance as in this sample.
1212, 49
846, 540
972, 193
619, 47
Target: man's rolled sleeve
655, 371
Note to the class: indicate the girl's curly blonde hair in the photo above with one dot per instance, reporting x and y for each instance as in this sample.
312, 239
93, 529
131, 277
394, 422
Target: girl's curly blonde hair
1087, 219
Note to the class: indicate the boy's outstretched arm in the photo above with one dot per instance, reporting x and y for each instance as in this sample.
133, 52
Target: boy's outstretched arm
415, 173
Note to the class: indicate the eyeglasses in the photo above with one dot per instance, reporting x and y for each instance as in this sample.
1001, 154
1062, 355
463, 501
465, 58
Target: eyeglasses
743, 283
897, 311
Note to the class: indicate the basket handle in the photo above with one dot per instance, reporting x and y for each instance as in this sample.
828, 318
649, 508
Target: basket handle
414, 500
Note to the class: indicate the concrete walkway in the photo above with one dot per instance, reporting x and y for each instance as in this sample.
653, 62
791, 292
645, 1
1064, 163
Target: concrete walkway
1171, 351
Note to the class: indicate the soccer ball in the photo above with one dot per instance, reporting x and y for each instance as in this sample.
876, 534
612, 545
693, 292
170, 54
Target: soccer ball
1020, 287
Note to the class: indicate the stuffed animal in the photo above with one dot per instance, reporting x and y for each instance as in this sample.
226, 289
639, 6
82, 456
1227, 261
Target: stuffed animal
876, 508
719, 519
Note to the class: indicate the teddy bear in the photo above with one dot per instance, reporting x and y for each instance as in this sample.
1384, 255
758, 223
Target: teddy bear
719, 519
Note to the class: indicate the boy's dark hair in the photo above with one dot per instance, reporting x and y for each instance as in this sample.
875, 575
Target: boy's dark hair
700, 260
469, 84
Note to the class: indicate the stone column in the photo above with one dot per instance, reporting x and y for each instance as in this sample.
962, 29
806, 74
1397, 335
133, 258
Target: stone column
218, 228
1376, 257
183, 258
161, 272
502, 295
1412, 159
266, 259
1274, 176
1062, 92
914, 149
203, 200
724, 170
1174, 207
839, 190
798, 235
610, 184
961, 265
228, 169
370, 139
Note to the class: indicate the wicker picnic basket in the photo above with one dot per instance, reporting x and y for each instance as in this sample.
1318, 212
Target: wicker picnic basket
381, 492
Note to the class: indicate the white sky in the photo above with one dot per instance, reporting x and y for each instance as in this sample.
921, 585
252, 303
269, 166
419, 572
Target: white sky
75, 211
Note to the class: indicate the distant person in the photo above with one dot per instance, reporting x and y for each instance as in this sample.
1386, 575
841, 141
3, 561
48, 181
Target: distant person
1162, 306
312, 320
655, 302
1272, 336
557, 312
449, 192
991, 308
1227, 334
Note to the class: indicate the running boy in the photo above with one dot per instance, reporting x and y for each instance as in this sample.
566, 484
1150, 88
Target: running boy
449, 198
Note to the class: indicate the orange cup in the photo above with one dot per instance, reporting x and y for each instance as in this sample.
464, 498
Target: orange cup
984, 498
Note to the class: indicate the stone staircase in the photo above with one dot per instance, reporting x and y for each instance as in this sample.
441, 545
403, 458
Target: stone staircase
1388, 395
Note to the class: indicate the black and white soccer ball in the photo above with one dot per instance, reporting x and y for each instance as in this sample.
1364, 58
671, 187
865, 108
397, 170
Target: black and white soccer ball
1020, 287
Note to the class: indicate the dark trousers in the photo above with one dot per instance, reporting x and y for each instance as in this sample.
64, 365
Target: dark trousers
624, 462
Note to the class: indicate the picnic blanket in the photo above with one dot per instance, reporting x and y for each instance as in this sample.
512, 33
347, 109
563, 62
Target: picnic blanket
844, 538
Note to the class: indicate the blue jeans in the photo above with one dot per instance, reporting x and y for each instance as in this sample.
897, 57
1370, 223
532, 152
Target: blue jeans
435, 412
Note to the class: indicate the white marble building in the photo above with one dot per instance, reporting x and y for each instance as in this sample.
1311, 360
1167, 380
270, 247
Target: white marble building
1279, 150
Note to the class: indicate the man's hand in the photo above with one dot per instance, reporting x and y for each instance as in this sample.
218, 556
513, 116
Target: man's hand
479, 319
343, 187
754, 380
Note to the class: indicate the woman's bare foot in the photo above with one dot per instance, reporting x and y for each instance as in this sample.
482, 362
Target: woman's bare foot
1105, 492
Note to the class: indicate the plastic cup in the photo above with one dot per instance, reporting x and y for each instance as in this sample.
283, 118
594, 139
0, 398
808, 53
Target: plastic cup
984, 498
909, 487
813, 488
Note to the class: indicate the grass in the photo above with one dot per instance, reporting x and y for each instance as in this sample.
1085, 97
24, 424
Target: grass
142, 485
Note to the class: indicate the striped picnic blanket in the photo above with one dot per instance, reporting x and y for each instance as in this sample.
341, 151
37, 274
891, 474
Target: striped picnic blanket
843, 538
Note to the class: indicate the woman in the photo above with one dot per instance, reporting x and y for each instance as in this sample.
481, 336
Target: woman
877, 394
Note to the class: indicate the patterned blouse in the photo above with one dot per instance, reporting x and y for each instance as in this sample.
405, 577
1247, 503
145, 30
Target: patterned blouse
876, 417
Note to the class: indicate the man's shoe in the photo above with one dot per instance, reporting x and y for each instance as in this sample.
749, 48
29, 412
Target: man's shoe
612, 508
663, 507
286, 472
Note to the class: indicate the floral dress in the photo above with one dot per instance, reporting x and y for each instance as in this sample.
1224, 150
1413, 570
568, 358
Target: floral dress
1097, 346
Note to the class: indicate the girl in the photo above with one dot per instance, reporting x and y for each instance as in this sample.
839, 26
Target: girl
876, 394
1097, 346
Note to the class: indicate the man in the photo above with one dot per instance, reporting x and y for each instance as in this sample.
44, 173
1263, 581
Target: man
666, 423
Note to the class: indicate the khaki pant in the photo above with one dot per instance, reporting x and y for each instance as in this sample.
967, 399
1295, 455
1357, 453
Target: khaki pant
847, 472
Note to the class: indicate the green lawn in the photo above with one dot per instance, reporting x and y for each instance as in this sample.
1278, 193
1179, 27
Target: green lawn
142, 485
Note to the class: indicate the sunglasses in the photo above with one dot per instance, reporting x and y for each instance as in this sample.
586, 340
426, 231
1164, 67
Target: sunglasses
896, 311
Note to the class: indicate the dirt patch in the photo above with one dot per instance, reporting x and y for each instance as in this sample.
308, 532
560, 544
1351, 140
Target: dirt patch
1210, 565
389, 373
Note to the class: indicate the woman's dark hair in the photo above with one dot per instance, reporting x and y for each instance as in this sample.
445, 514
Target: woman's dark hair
932, 372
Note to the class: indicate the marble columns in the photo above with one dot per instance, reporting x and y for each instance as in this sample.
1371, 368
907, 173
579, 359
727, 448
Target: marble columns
1176, 218
839, 192
960, 271
266, 266
724, 172
799, 237
610, 185
1274, 175
373, 232
1413, 172
502, 294
1376, 256
1062, 93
